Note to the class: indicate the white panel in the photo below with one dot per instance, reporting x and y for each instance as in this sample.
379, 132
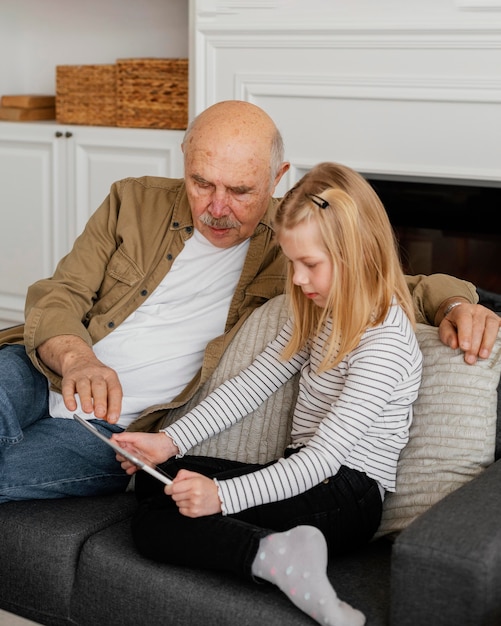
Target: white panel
479, 5
105, 156
26, 240
377, 125
396, 96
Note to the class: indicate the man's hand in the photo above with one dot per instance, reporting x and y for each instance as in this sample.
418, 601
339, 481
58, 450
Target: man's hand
471, 327
195, 495
82, 373
155, 447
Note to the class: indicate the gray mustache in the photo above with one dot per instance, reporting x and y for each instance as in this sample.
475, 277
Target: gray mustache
218, 222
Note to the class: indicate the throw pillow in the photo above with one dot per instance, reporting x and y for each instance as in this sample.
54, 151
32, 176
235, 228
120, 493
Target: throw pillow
263, 435
453, 432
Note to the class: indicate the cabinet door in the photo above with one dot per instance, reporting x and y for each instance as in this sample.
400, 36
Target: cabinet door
103, 155
33, 229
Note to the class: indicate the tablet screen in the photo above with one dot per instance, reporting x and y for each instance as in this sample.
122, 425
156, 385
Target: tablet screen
136, 458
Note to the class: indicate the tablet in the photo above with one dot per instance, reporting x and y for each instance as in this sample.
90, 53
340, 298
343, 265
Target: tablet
136, 458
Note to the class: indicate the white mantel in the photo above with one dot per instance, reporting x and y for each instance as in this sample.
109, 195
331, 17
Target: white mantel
409, 88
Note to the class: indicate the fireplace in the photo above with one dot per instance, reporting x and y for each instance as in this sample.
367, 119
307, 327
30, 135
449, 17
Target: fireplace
446, 227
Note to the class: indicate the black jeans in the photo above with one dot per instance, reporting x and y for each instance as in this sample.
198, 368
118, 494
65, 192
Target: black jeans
346, 508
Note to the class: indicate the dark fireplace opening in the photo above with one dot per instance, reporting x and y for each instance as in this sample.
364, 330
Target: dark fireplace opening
446, 227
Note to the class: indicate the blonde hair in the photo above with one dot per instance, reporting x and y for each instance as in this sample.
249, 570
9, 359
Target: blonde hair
358, 236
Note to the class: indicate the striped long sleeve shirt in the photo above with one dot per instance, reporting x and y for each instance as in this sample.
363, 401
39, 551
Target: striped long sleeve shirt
356, 414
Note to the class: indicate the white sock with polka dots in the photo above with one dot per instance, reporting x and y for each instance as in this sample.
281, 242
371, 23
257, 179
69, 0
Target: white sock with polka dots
296, 562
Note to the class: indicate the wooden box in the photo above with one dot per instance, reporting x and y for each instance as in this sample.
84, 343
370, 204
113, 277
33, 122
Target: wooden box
152, 93
86, 94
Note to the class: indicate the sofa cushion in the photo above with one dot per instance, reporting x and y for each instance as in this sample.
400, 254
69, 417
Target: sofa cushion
453, 433
263, 435
116, 586
40, 545
451, 558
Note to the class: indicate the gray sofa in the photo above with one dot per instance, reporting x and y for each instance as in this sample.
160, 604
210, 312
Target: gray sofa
72, 561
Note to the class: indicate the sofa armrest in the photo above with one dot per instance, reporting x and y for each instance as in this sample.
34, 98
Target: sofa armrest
446, 566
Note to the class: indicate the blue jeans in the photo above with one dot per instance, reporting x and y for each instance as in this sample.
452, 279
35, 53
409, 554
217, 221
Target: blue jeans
346, 508
42, 456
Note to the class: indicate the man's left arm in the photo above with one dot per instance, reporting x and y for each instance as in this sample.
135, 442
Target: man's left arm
471, 327
452, 305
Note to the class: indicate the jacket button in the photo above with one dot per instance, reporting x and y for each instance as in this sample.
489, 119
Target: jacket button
169, 257
175, 224
144, 292
188, 229
111, 324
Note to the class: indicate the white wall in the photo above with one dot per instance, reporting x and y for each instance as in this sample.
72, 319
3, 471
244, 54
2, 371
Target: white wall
37, 35
394, 87
409, 87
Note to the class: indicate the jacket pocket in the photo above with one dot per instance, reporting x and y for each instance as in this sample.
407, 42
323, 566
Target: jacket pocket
121, 275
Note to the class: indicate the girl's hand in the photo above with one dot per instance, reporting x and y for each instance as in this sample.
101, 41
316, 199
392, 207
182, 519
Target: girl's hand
195, 495
153, 447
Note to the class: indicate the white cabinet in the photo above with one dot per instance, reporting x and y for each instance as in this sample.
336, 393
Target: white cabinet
97, 157
52, 177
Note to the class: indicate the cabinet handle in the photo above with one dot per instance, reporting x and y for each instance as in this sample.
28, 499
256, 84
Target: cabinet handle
67, 134
58, 133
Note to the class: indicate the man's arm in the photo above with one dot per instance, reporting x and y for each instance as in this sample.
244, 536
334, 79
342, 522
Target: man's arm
56, 336
431, 294
469, 326
59, 305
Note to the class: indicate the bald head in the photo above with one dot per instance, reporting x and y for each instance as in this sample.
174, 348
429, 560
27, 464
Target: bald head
235, 125
234, 113
233, 160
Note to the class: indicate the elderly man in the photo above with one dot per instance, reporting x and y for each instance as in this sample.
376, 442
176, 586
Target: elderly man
138, 314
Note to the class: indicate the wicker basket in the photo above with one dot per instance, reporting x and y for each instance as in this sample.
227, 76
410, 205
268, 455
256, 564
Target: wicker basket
86, 94
152, 93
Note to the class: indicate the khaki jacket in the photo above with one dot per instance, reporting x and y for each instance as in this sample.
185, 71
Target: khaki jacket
128, 246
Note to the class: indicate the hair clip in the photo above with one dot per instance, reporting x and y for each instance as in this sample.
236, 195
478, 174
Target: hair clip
320, 202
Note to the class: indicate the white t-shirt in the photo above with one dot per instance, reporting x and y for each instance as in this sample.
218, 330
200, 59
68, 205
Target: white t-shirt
158, 349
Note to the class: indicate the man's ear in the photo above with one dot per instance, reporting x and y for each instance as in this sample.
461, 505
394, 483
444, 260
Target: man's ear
283, 168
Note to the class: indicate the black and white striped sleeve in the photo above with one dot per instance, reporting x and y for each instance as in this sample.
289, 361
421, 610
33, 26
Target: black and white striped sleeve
237, 397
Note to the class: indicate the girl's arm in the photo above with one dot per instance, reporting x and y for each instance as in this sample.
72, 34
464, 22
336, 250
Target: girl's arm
237, 397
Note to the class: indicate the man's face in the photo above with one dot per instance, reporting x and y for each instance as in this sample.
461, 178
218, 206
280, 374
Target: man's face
228, 187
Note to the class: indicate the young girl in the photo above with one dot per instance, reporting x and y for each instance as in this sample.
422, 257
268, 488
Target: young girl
351, 337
